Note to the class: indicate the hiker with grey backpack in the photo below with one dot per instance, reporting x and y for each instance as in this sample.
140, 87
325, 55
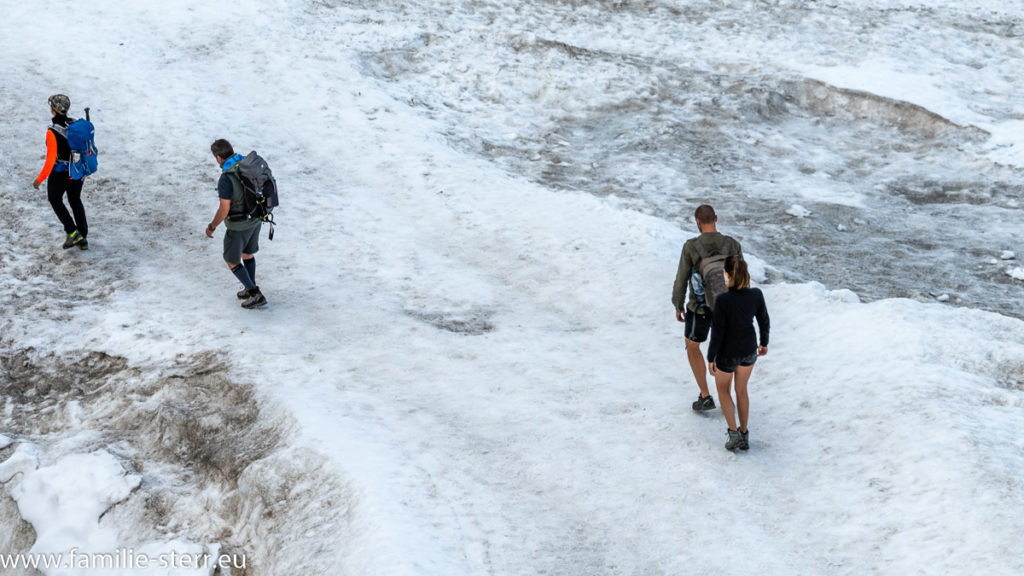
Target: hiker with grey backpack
248, 194
699, 277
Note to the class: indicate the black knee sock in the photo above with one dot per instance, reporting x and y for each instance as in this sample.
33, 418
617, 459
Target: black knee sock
243, 276
250, 267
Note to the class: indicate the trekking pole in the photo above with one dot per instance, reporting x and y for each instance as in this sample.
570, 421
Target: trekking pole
87, 114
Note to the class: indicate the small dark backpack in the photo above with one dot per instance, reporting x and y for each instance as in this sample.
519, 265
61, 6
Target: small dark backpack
712, 267
260, 190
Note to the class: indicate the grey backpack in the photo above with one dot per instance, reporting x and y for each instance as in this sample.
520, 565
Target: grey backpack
259, 191
712, 265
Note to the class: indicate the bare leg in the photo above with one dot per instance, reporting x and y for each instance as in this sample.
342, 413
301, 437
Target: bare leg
700, 369
723, 381
742, 400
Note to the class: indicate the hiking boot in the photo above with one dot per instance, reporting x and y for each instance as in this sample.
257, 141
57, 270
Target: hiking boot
735, 440
744, 440
254, 299
242, 294
72, 239
704, 403
83, 245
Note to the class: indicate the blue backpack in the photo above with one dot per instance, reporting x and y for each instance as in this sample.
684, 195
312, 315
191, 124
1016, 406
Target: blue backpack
83, 147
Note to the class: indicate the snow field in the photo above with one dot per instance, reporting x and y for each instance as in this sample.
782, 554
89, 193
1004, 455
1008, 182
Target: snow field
460, 371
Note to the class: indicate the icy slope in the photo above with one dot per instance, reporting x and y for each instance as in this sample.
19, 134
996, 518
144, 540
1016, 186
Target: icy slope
468, 366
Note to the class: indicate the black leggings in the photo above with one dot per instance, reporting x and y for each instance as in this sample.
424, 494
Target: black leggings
59, 184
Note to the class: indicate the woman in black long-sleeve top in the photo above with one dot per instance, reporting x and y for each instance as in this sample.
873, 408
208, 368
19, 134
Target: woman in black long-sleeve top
734, 346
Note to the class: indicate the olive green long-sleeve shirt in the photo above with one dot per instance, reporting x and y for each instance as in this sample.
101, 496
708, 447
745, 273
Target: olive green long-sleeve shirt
689, 262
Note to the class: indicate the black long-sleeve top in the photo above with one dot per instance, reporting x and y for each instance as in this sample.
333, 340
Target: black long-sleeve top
732, 324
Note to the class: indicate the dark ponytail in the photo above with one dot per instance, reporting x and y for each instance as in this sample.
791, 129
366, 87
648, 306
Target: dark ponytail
736, 268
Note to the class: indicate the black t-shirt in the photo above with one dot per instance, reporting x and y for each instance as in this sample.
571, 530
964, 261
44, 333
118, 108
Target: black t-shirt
225, 189
732, 324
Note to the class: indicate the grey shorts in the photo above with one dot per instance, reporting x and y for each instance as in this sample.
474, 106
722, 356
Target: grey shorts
238, 242
730, 364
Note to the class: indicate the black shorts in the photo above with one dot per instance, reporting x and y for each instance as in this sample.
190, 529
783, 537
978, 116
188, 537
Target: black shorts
697, 326
729, 364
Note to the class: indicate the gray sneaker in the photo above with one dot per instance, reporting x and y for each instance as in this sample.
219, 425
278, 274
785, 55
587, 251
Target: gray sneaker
735, 440
255, 299
744, 440
73, 239
703, 403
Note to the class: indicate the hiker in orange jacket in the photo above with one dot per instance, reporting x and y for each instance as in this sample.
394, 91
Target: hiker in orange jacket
58, 179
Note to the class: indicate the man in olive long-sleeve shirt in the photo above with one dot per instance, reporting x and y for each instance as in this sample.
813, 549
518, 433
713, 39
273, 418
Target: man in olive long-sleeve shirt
694, 313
